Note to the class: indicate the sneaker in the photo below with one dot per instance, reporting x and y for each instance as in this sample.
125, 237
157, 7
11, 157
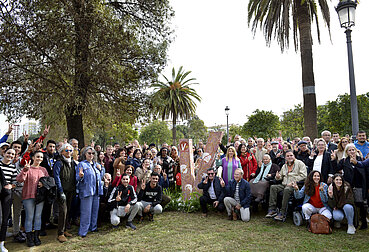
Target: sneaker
2, 247
337, 224
19, 238
271, 214
130, 225
351, 229
279, 217
62, 238
67, 234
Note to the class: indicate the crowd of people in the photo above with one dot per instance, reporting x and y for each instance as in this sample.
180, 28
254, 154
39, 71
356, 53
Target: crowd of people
43, 184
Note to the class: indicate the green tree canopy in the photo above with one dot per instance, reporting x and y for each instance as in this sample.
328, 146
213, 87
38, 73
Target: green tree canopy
262, 124
156, 132
76, 61
292, 122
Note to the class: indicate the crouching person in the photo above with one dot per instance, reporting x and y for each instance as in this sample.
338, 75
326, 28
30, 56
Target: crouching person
315, 194
213, 192
150, 197
122, 202
238, 197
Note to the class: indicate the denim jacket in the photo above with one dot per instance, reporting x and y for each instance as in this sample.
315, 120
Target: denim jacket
86, 185
323, 195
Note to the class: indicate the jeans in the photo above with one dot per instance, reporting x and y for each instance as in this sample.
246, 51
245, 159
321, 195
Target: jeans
348, 211
33, 214
89, 214
17, 211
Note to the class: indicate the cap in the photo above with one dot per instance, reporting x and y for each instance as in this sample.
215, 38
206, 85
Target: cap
301, 142
3, 144
274, 142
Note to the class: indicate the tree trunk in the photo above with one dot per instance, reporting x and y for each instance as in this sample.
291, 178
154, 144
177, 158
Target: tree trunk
82, 26
308, 83
174, 131
73, 116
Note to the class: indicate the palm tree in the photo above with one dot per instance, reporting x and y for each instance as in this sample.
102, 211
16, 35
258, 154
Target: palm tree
273, 16
175, 98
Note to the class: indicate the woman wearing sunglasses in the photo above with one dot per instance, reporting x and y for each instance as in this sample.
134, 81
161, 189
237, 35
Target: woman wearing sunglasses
89, 176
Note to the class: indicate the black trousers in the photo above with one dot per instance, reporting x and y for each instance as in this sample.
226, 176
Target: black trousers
204, 201
6, 203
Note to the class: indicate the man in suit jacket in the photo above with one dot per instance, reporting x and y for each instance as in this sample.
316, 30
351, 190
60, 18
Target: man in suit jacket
213, 192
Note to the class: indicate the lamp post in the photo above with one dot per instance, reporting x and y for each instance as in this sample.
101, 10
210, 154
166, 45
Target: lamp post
227, 113
346, 14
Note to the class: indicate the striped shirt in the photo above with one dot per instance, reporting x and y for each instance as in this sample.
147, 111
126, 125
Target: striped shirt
237, 193
10, 172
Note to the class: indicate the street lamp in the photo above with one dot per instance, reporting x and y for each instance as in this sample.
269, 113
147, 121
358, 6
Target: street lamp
346, 14
227, 113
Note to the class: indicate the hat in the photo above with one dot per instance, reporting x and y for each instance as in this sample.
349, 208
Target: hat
274, 142
301, 142
3, 144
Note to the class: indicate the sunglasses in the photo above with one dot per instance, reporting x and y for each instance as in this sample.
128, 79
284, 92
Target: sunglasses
68, 150
90, 153
211, 173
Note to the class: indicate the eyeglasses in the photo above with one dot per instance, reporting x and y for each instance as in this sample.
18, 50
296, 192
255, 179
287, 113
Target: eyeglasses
90, 153
68, 150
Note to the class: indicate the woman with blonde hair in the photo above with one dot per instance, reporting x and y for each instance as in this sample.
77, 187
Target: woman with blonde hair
229, 164
340, 152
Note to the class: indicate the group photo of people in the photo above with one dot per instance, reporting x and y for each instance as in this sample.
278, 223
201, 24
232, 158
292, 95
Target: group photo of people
55, 184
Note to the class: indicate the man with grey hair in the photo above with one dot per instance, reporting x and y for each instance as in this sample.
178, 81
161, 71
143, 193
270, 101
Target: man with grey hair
238, 197
65, 180
326, 135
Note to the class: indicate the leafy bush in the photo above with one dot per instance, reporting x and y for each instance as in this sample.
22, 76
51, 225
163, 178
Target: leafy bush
179, 204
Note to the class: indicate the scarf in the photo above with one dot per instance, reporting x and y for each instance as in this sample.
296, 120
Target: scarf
68, 160
264, 170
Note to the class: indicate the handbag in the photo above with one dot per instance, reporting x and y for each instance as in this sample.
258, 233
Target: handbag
319, 224
358, 194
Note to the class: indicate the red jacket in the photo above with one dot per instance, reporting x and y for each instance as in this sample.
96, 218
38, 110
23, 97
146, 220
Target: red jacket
248, 166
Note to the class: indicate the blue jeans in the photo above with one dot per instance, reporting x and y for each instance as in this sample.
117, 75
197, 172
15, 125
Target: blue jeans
89, 214
349, 213
33, 214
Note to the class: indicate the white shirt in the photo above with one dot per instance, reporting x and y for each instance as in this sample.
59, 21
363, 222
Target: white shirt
211, 191
318, 163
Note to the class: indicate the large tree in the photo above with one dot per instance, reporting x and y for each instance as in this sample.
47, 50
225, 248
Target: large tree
80, 59
274, 17
262, 124
174, 98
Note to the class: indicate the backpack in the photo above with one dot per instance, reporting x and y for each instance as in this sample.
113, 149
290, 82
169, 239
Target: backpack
319, 224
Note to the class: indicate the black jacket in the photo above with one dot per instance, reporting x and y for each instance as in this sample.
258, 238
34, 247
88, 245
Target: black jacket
327, 165
244, 192
47, 191
218, 189
303, 156
153, 195
128, 196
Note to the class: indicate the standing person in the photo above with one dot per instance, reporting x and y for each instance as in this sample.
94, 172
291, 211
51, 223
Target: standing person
356, 176
31, 175
274, 152
119, 161
238, 197
335, 138
259, 151
90, 187
48, 163
143, 173
302, 153
213, 192
292, 171
361, 144
315, 193
174, 155
326, 135
166, 163
340, 152
321, 161
65, 180
341, 200
108, 160
136, 161
150, 197
248, 162
8, 173
229, 164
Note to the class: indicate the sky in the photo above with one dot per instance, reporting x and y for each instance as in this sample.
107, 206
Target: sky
235, 68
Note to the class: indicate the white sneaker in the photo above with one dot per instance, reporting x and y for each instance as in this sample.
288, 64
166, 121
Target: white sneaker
351, 229
2, 248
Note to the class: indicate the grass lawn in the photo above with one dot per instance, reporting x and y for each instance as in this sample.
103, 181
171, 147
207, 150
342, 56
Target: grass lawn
176, 231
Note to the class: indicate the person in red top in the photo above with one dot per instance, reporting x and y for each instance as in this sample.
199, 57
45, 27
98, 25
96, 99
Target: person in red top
316, 196
248, 162
129, 169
